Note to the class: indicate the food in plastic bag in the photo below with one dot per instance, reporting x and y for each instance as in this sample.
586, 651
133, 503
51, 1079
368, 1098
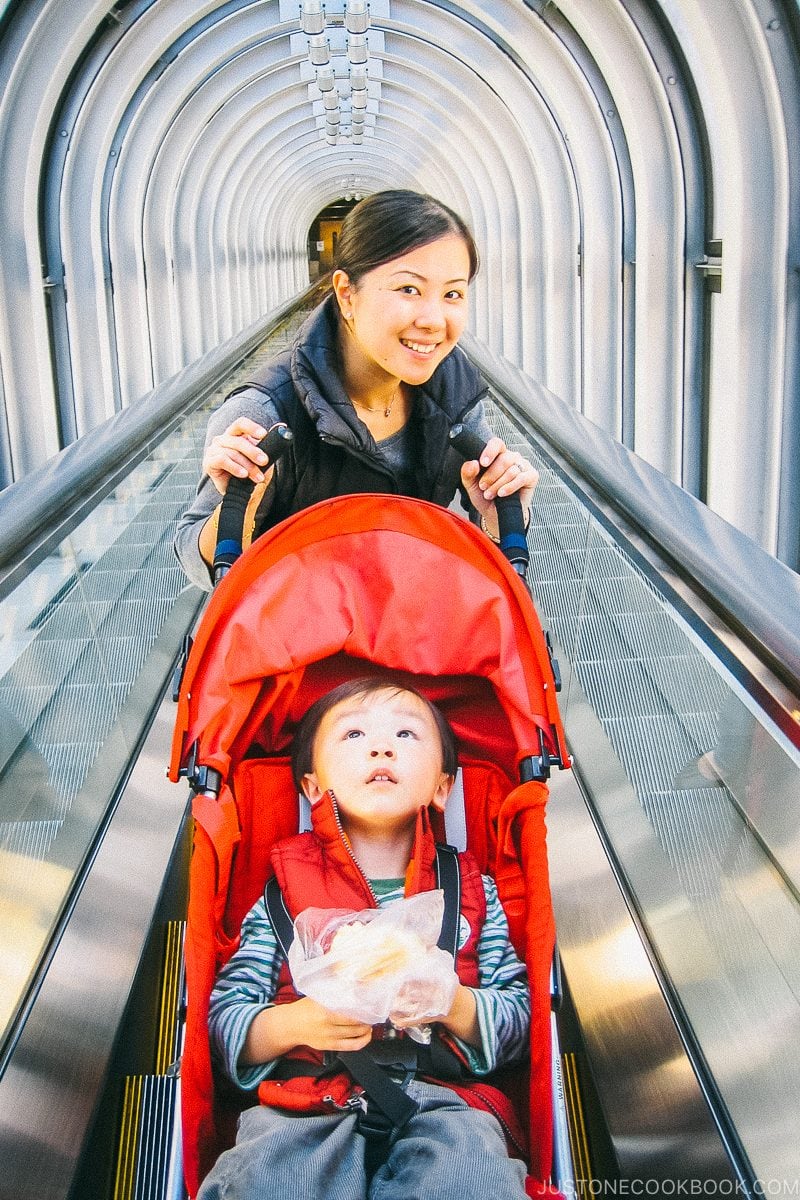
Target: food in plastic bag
378, 965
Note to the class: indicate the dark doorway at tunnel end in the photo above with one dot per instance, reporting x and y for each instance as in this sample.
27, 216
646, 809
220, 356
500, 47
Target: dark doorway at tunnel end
323, 235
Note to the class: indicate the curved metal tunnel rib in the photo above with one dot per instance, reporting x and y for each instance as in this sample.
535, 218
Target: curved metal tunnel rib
165, 161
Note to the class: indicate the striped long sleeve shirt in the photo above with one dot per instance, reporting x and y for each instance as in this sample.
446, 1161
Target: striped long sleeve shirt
247, 984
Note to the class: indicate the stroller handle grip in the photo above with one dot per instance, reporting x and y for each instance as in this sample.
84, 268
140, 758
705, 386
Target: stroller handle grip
510, 517
237, 496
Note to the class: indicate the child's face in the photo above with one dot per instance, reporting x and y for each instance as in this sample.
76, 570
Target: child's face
381, 756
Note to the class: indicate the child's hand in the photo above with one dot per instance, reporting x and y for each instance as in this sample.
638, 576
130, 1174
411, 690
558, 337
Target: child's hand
461, 1020
282, 1028
326, 1030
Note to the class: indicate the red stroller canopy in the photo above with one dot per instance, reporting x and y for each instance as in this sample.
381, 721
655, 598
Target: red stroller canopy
364, 583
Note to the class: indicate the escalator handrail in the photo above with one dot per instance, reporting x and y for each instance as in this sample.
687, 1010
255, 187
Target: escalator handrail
756, 594
36, 511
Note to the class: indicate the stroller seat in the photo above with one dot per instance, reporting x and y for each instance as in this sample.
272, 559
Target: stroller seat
353, 586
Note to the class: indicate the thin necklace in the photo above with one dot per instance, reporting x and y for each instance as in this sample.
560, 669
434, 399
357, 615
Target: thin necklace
387, 412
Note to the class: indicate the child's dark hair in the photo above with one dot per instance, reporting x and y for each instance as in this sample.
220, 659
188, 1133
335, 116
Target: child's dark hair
387, 224
358, 689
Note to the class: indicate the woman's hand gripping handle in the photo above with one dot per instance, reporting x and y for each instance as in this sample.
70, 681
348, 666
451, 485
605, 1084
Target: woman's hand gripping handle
230, 529
510, 513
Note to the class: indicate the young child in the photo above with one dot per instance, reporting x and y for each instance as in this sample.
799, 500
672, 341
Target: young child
373, 758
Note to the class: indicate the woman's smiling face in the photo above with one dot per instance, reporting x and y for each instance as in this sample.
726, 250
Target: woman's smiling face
405, 316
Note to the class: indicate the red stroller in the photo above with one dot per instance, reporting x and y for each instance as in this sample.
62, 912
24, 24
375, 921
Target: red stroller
354, 585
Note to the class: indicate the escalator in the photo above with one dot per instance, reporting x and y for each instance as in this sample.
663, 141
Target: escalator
94, 608
673, 844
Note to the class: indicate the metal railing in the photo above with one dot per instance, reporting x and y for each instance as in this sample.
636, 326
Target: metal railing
93, 608
687, 750
757, 596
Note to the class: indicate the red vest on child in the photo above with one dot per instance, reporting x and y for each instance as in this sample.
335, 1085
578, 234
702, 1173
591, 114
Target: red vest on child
318, 867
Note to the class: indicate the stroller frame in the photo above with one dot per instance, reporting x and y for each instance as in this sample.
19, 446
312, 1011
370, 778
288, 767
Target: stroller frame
336, 591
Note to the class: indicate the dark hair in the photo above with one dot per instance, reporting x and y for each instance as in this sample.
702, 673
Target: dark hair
387, 224
306, 732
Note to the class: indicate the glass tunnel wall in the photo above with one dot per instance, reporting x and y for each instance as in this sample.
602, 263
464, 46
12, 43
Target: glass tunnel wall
625, 166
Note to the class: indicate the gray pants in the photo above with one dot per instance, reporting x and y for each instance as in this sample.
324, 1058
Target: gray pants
447, 1151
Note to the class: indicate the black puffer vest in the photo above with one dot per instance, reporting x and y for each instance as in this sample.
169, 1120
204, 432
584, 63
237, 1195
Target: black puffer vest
333, 454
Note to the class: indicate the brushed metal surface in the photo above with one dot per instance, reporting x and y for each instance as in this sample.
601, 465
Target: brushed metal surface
53, 1079
726, 931
658, 1119
709, 859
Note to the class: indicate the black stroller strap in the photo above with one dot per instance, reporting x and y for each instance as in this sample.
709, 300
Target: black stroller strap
448, 877
279, 916
387, 1110
379, 1086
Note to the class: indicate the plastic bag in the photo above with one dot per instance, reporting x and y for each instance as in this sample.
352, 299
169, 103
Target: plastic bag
378, 965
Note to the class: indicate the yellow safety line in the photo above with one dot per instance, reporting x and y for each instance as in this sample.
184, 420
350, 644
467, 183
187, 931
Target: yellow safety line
168, 1017
128, 1138
578, 1137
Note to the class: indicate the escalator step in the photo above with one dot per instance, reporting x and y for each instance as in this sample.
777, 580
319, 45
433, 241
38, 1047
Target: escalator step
148, 1158
170, 1025
578, 1135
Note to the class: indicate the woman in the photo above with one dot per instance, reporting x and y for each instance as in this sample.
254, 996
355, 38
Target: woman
370, 388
